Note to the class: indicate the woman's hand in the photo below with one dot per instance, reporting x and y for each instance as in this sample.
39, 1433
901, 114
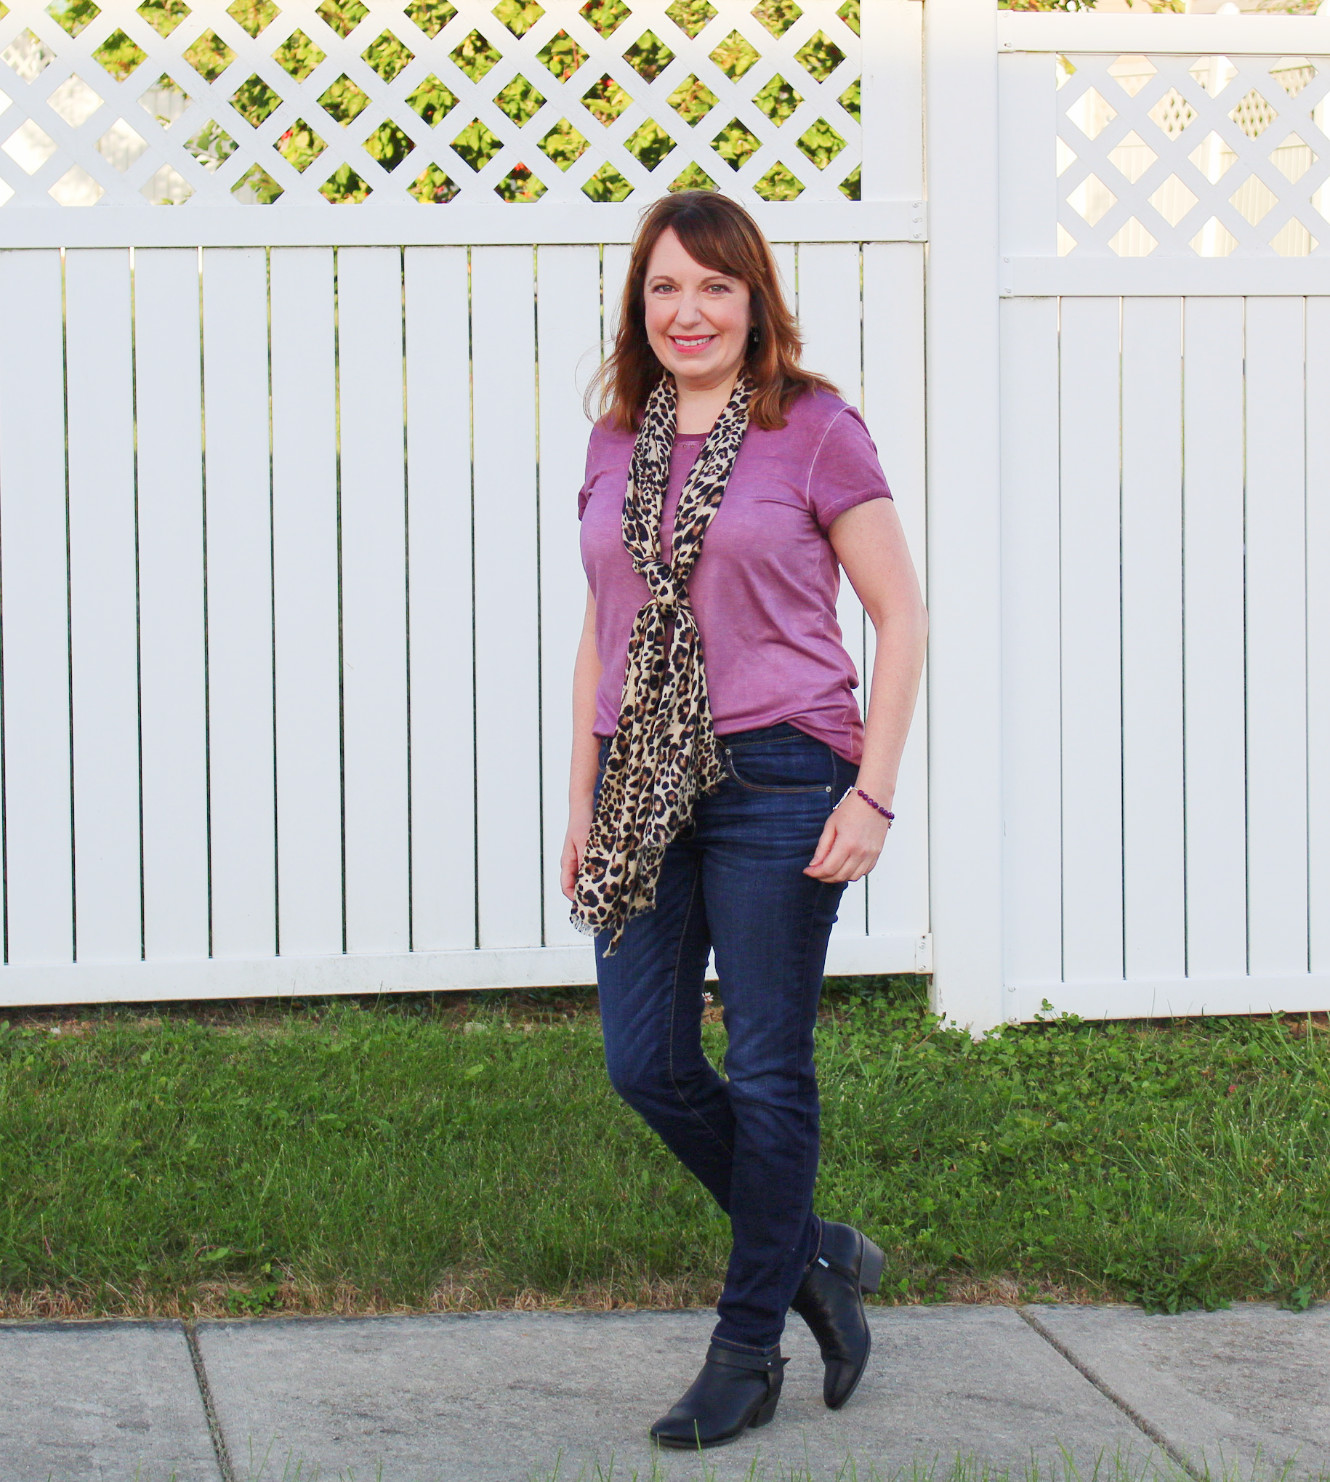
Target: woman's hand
850, 842
574, 846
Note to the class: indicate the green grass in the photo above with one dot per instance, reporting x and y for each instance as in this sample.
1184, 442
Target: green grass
442, 1153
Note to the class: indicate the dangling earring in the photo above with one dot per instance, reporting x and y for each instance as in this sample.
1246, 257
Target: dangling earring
754, 337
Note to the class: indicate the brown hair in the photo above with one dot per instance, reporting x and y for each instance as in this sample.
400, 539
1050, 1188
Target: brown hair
718, 233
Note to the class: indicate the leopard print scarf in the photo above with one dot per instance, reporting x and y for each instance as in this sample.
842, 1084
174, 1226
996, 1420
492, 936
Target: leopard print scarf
664, 751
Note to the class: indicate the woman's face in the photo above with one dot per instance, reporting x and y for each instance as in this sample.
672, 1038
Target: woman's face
697, 319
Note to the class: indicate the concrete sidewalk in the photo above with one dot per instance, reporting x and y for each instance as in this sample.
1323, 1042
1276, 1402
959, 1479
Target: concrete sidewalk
507, 1397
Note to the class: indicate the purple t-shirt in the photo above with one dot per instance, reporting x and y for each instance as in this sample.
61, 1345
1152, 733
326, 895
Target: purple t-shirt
764, 588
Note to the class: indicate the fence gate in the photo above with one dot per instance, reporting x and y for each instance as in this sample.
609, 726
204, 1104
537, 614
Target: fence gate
300, 302
1154, 574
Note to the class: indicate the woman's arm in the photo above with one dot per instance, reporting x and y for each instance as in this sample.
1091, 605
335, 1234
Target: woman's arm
870, 545
582, 772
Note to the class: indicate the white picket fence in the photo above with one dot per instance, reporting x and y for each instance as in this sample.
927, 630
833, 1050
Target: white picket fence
289, 584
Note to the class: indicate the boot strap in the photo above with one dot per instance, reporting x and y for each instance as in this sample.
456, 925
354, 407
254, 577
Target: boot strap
763, 1363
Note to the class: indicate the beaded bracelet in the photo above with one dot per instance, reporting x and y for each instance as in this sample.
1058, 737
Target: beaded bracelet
872, 803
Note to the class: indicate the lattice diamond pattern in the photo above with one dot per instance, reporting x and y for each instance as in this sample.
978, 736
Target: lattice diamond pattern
387, 56
691, 17
518, 15
438, 101
75, 101
122, 144
298, 56
253, 15
1133, 156
72, 21
163, 15
431, 16
74, 187
26, 55
1186, 156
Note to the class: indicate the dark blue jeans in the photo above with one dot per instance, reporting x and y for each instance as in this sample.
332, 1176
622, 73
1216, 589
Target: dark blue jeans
733, 881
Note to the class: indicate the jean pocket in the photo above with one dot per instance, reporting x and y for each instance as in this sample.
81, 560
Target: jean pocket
793, 765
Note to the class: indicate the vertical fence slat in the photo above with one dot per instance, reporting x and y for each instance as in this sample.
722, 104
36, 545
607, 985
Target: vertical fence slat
1091, 658
39, 887
306, 677
169, 410
1318, 632
894, 410
507, 622
1212, 577
964, 511
374, 719
1031, 691
613, 272
1031, 573
786, 256
830, 307
103, 596
1153, 869
438, 367
568, 345
239, 535
1276, 639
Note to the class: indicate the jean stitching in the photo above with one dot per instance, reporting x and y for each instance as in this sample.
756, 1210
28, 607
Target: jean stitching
809, 789
674, 1009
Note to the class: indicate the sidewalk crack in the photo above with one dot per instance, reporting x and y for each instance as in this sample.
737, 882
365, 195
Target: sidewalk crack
1148, 1427
224, 1464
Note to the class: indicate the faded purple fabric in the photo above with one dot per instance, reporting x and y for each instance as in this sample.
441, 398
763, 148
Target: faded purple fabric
764, 589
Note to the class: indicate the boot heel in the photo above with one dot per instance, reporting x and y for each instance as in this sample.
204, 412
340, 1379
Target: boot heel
767, 1413
870, 1267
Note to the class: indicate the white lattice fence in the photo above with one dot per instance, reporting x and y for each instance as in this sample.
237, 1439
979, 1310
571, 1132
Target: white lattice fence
1164, 340
1208, 155
1193, 152
431, 103
287, 531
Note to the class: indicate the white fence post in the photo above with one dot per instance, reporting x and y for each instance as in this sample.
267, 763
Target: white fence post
960, 69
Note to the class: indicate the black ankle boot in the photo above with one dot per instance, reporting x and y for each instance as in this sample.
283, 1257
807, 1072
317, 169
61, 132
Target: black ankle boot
733, 1391
830, 1301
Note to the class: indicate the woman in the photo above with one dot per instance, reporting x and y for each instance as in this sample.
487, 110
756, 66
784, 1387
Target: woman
723, 787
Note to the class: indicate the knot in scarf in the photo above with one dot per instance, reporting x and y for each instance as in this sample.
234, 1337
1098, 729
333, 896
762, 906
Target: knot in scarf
668, 591
664, 752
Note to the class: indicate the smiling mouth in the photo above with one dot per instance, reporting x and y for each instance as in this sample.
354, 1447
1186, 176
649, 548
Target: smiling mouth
691, 342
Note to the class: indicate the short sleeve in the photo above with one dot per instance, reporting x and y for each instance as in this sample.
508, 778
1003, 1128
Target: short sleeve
845, 470
605, 457
588, 477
